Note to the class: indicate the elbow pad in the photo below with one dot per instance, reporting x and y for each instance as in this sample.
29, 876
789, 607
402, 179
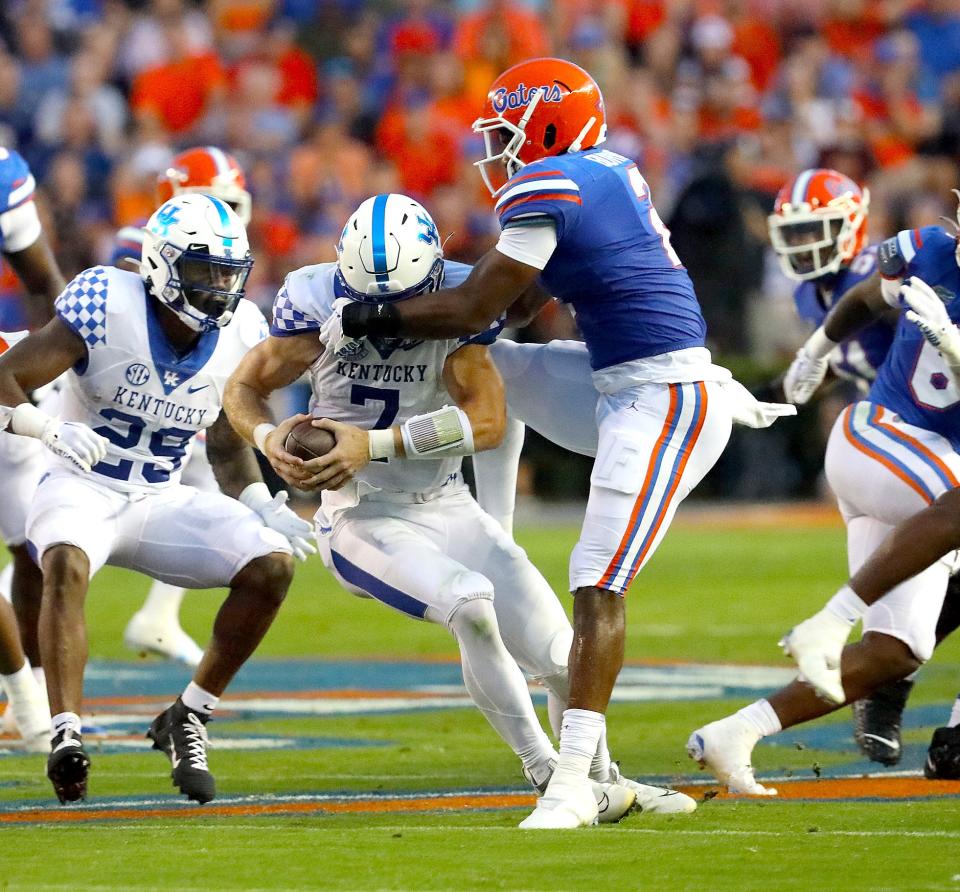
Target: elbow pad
438, 434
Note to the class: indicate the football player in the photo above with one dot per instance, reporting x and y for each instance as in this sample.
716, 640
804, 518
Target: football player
580, 219
819, 231
889, 456
155, 627
397, 522
148, 356
24, 246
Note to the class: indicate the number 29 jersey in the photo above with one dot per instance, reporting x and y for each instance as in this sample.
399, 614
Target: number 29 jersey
378, 383
914, 381
132, 387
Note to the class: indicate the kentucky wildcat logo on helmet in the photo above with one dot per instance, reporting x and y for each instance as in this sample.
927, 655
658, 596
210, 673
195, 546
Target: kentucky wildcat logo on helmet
196, 259
389, 250
819, 223
536, 109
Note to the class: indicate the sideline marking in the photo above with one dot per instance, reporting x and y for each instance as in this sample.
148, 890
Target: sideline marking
827, 789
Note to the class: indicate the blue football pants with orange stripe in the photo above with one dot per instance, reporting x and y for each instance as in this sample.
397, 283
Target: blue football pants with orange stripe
656, 443
883, 471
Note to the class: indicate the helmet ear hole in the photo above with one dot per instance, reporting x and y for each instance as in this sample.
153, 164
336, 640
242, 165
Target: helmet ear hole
549, 136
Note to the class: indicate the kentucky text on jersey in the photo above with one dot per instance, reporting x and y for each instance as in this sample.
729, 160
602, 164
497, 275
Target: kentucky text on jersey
613, 261
361, 371
914, 381
159, 408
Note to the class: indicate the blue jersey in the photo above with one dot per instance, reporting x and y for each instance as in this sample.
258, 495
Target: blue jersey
915, 382
859, 357
613, 261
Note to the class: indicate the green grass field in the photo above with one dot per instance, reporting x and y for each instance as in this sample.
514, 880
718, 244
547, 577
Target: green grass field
719, 595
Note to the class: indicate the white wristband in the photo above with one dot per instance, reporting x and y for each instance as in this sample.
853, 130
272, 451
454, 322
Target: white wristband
254, 495
261, 432
28, 421
382, 444
442, 433
818, 345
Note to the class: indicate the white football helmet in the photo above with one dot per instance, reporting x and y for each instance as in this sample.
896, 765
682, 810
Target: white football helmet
196, 259
389, 250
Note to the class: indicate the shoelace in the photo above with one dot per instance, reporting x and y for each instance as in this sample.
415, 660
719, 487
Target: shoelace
195, 733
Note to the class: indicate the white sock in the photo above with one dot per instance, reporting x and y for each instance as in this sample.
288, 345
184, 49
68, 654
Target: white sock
41, 678
762, 717
579, 739
495, 474
19, 684
555, 708
196, 698
846, 605
64, 721
163, 601
6, 582
954, 714
497, 686
600, 766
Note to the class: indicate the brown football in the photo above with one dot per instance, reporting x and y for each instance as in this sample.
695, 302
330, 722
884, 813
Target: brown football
306, 441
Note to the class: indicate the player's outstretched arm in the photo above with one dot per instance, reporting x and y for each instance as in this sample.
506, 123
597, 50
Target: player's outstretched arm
270, 365
37, 268
33, 362
860, 306
492, 286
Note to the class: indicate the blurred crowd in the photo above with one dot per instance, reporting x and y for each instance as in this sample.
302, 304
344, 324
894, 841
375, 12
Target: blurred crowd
325, 102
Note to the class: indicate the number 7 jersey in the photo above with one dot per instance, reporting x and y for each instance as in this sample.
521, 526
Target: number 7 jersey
132, 387
377, 383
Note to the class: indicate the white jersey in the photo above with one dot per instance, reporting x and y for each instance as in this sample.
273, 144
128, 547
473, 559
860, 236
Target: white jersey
132, 387
378, 384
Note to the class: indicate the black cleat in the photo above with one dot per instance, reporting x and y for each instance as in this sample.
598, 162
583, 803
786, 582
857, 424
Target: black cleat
181, 733
943, 756
876, 722
68, 766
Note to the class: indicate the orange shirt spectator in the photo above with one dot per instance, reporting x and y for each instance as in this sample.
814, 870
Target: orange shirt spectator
424, 147
178, 91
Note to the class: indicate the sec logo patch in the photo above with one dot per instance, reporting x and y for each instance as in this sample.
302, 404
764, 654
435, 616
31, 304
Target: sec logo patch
138, 374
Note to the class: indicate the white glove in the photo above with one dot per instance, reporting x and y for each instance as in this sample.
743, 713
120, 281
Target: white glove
331, 332
929, 314
807, 371
277, 516
75, 442
747, 410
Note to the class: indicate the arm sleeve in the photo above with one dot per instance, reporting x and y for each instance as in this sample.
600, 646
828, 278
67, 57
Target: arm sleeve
19, 228
530, 244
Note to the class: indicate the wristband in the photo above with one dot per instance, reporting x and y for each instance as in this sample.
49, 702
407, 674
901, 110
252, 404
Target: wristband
382, 444
260, 434
444, 432
28, 421
254, 495
818, 345
358, 320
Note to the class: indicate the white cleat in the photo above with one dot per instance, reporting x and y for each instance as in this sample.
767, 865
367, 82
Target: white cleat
725, 748
145, 634
650, 799
564, 806
816, 645
614, 802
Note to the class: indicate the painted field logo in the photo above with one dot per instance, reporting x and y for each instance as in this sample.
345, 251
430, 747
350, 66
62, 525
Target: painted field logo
138, 374
521, 96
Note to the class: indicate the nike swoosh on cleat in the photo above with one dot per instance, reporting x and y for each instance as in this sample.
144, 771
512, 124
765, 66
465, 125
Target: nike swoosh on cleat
893, 744
68, 742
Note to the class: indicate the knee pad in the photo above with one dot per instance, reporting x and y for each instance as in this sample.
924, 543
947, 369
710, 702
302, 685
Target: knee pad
470, 595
